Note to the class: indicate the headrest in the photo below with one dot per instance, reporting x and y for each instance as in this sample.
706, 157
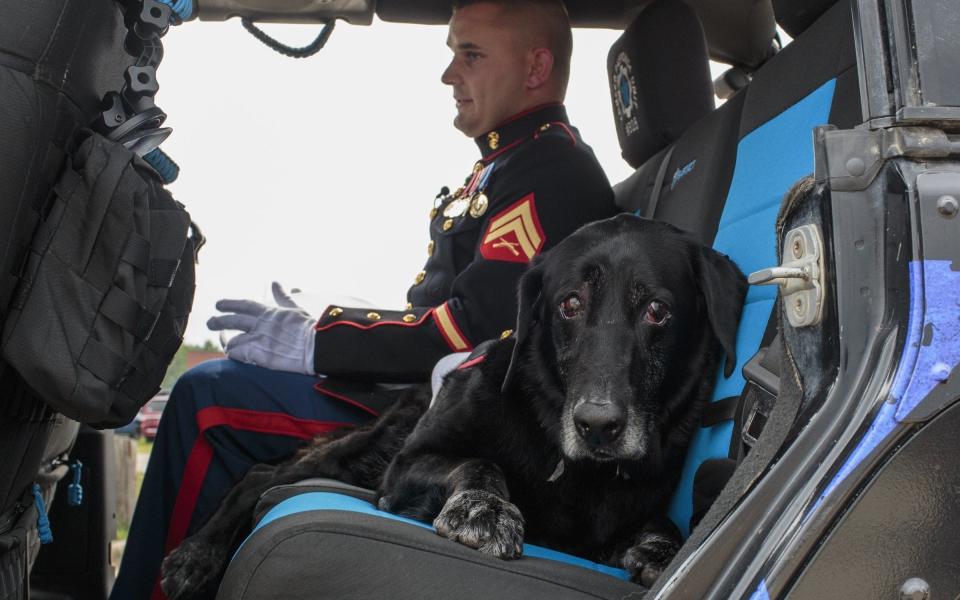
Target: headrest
794, 16
659, 79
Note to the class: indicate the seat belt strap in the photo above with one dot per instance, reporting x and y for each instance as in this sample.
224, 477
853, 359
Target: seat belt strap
651, 209
719, 411
762, 375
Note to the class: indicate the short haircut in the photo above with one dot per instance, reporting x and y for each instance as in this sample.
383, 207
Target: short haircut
551, 20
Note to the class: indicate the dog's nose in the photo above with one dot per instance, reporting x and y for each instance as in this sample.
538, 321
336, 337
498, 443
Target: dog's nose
598, 424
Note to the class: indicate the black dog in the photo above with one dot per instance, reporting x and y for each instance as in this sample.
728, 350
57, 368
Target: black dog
571, 433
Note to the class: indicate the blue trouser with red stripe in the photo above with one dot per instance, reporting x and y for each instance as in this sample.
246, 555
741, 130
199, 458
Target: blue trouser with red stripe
222, 418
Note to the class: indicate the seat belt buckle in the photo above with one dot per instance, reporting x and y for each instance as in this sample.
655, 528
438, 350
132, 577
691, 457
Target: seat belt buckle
766, 385
753, 425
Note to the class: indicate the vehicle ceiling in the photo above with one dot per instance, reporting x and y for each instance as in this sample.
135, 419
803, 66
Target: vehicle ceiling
738, 32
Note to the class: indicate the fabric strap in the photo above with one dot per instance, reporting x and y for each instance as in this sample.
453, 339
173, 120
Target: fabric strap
127, 313
756, 401
651, 208
719, 411
103, 362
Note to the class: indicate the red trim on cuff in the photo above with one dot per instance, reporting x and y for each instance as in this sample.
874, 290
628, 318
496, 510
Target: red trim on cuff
416, 323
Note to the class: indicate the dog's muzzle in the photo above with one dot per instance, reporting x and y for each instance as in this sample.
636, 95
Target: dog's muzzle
599, 424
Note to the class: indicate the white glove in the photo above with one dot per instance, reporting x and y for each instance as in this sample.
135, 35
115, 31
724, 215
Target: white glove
440, 370
280, 338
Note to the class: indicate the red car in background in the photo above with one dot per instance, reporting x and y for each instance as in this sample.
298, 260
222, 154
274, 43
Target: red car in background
149, 415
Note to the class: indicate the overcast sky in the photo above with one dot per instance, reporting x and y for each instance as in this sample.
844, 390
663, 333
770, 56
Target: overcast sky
320, 172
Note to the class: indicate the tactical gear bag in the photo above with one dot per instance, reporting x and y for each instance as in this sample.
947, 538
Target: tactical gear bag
106, 289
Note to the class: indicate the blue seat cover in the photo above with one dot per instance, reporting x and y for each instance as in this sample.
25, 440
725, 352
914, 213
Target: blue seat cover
747, 235
332, 501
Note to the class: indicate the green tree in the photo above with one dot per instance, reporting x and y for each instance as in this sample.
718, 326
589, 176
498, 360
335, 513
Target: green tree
179, 363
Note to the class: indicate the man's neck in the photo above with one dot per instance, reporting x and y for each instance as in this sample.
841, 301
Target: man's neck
519, 127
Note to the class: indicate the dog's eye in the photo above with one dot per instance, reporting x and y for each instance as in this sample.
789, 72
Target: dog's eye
657, 313
571, 306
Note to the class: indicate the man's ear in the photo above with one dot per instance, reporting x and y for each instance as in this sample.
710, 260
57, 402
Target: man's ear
528, 310
541, 68
724, 288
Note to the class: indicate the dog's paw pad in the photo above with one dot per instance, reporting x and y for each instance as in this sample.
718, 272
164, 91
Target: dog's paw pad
483, 521
647, 560
192, 570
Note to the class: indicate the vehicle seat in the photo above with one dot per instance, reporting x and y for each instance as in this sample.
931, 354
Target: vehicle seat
320, 515
812, 82
724, 179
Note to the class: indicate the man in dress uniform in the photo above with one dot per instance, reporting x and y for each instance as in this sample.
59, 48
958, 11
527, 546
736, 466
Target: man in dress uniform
292, 377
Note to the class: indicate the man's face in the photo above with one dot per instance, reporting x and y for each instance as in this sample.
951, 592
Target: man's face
489, 69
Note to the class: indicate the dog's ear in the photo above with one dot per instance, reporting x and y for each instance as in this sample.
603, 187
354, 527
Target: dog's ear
529, 293
724, 288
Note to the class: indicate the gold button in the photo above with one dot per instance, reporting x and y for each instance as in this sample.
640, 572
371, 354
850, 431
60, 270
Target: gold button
409, 306
430, 248
476, 169
433, 213
409, 318
545, 127
493, 140
419, 278
447, 224
336, 311
506, 333
373, 316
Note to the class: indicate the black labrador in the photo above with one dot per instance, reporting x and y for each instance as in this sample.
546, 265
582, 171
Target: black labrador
571, 433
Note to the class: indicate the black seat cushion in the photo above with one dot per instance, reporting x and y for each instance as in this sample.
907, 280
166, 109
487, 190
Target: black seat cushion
659, 79
340, 553
696, 176
795, 16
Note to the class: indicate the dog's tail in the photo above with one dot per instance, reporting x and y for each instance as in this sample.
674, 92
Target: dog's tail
360, 455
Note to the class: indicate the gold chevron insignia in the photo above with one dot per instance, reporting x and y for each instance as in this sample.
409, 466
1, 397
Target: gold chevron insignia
521, 222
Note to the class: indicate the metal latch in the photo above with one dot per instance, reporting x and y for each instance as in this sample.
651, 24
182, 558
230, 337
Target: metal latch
801, 277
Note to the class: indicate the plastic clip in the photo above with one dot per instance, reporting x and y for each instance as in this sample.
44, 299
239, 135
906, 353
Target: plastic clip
43, 521
75, 489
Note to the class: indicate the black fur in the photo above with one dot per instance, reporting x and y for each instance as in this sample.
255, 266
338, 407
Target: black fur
570, 434
355, 455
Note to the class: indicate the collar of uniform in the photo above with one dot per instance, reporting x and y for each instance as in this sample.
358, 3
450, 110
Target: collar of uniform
519, 127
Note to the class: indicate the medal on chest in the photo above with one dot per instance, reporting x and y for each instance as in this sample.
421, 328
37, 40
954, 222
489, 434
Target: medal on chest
471, 198
478, 205
456, 207
478, 201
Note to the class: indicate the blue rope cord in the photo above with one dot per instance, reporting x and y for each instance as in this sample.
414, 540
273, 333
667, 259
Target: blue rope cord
163, 164
43, 521
182, 8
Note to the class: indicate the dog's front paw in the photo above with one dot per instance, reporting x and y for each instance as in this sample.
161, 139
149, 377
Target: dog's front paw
483, 521
647, 560
193, 570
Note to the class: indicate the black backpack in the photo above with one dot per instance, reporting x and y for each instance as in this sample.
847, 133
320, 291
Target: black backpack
106, 289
